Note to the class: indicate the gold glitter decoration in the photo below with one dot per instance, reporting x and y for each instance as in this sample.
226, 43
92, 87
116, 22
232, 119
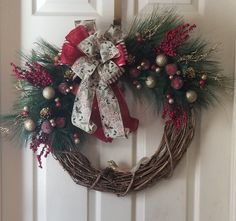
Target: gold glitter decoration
131, 59
196, 56
190, 72
69, 75
4, 130
45, 113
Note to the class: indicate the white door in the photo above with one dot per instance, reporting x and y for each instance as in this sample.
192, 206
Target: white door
203, 187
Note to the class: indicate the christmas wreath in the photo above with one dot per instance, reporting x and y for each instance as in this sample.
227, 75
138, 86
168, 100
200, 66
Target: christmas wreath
66, 93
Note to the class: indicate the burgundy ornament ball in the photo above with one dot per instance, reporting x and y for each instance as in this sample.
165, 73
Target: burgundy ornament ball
58, 104
145, 64
63, 88
134, 72
139, 38
171, 69
25, 113
201, 83
60, 122
46, 127
177, 83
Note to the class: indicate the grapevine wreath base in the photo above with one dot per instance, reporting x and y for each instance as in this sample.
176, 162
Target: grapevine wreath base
70, 93
145, 173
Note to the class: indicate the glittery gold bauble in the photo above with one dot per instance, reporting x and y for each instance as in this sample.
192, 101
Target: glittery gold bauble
29, 125
48, 93
69, 74
190, 72
131, 59
150, 82
45, 113
191, 96
161, 60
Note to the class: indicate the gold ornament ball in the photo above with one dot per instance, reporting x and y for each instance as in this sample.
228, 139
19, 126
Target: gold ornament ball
25, 108
161, 60
204, 77
178, 72
53, 124
191, 96
52, 121
57, 99
139, 67
29, 125
150, 82
77, 140
158, 70
48, 93
139, 86
171, 101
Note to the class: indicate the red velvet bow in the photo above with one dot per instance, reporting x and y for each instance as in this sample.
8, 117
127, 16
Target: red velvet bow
70, 52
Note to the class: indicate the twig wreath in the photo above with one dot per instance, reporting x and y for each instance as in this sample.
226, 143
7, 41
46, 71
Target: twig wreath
66, 93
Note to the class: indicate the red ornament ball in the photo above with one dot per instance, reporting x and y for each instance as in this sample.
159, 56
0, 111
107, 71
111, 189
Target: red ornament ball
63, 88
145, 64
25, 113
177, 83
134, 72
154, 67
58, 104
171, 69
138, 38
75, 89
76, 135
46, 127
60, 122
201, 83
168, 96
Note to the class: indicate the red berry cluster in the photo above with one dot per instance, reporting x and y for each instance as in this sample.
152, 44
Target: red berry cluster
35, 74
174, 38
40, 141
175, 115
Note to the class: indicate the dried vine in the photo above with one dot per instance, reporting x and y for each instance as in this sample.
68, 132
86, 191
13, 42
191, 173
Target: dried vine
161, 165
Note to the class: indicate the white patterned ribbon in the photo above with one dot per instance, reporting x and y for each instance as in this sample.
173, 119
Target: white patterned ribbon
96, 71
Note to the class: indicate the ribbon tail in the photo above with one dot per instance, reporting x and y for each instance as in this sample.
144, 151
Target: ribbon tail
82, 109
109, 111
130, 123
95, 117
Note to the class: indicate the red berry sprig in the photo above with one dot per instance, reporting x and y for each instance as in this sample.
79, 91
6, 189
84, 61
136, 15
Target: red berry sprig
175, 38
35, 74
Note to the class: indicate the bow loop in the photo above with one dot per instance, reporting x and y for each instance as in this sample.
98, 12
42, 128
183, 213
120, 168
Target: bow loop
114, 34
108, 51
109, 71
89, 46
84, 67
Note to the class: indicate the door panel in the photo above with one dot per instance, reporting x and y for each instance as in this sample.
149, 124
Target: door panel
200, 187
